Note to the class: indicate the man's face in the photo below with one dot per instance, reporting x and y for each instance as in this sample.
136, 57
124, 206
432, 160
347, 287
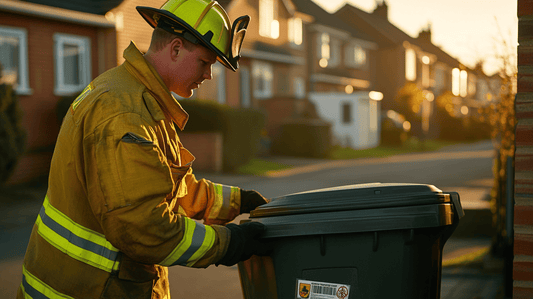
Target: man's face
190, 69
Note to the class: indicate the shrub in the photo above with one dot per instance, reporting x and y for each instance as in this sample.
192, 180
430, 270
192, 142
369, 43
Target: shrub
63, 105
304, 138
240, 127
12, 133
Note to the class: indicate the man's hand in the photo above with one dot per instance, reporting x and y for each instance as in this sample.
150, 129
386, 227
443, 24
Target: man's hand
251, 199
244, 242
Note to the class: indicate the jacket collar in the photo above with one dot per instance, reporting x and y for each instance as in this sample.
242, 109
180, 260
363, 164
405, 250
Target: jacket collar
145, 72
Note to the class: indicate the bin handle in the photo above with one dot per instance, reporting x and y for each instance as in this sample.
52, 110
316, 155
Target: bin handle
456, 201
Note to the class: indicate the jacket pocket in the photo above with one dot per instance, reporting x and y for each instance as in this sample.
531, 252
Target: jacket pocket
178, 173
133, 280
134, 138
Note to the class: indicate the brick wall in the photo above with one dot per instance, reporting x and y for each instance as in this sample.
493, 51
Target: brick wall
523, 221
39, 108
206, 148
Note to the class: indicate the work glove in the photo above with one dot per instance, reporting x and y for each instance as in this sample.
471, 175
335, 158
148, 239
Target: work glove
251, 199
244, 242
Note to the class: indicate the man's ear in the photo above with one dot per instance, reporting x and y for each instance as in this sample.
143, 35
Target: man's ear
176, 45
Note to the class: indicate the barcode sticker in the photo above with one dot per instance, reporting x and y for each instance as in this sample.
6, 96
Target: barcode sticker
307, 289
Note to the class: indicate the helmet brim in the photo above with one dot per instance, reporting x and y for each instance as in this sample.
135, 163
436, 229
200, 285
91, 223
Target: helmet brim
149, 14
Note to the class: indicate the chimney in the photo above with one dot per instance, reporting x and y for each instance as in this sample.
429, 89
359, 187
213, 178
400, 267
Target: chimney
382, 10
425, 34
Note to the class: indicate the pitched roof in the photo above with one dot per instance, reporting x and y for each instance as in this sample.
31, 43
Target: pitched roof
387, 34
99, 7
323, 17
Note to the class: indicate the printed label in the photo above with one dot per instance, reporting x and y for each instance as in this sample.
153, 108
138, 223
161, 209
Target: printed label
307, 289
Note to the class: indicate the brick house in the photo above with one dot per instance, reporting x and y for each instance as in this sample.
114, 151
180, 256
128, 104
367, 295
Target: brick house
523, 171
273, 73
402, 59
49, 52
342, 72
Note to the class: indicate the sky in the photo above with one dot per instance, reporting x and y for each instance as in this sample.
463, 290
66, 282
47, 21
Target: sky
469, 30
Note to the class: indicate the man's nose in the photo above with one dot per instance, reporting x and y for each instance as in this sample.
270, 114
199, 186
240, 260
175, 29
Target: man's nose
208, 74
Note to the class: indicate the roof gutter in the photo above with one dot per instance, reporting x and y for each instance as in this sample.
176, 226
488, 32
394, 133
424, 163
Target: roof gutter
54, 13
274, 57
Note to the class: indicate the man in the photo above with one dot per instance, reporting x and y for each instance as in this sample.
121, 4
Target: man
121, 195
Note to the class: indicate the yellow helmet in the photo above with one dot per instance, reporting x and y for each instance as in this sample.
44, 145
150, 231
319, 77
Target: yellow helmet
202, 21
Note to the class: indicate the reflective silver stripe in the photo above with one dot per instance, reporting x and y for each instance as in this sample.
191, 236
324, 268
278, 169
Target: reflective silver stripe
223, 201
34, 288
78, 242
197, 240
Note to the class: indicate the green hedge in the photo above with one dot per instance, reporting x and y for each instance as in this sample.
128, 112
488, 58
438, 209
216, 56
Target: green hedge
240, 128
304, 138
12, 133
63, 105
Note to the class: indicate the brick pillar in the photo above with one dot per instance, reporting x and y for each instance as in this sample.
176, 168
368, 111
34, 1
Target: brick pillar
523, 221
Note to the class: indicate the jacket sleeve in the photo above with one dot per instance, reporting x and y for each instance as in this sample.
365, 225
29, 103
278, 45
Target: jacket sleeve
212, 202
135, 196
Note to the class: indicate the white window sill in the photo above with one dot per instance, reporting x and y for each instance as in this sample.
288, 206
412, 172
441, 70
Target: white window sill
67, 91
24, 91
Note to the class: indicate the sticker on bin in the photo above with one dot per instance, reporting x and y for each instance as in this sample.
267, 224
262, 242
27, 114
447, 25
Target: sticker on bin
308, 289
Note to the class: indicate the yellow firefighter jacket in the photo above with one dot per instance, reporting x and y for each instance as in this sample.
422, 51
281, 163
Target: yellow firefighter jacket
122, 196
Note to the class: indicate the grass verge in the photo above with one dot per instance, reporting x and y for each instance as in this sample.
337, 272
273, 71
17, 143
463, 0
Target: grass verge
410, 146
260, 167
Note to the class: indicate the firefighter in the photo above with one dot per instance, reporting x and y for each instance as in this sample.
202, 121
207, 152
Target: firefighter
122, 198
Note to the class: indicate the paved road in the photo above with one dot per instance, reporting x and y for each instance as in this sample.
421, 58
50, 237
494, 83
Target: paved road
464, 169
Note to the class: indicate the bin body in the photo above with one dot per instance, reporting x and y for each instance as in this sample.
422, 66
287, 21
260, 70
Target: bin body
359, 241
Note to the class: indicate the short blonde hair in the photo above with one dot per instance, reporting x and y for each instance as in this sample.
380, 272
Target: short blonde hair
161, 38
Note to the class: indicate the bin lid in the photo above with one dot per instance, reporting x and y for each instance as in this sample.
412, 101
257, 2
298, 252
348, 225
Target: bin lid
358, 208
352, 197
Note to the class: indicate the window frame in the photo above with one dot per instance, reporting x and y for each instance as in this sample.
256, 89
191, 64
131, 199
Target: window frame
410, 70
245, 93
296, 36
23, 77
219, 75
84, 60
263, 71
268, 22
350, 56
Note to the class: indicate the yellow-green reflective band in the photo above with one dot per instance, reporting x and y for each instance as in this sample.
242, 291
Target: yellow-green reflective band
197, 240
82, 96
223, 201
34, 288
78, 242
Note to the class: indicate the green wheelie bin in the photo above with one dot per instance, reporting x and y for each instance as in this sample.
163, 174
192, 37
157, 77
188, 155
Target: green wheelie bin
368, 241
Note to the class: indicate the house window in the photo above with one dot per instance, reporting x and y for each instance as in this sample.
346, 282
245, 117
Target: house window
72, 63
410, 64
334, 53
219, 75
355, 56
347, 113
323, 50
263, 75
268, 24
295, 31
464, 83
14, 58
456, 81
440, 79
244, 74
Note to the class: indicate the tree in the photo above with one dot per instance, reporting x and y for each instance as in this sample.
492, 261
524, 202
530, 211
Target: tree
12, 134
